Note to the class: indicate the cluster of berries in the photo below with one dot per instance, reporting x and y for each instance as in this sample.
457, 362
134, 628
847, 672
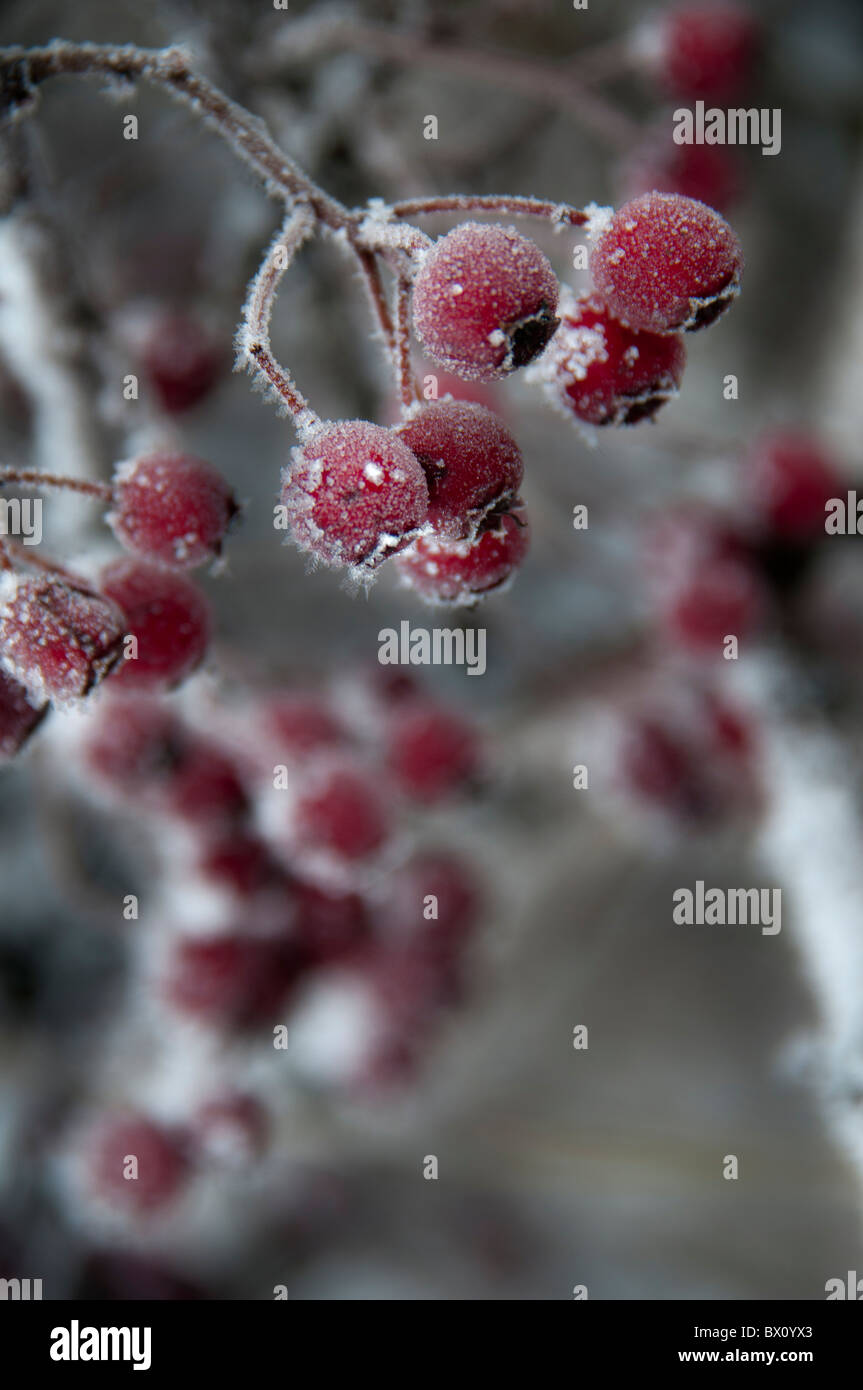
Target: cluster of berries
440, 490
708, 576
141, 624
294, 885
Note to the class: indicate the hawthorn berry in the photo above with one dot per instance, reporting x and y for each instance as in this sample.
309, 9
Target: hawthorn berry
702, 582
435, 878
231, 1128
130, 742
605, 373
18, 717
704, 50
181, 361
135, 1163
484, 301
462, 572
791, 477
298, 724
666, 264
328, 926
56, 640
340, 812
230, 980
166, 613
171, 507
354, 494
471, 463
432, 753
710, 174
203, 786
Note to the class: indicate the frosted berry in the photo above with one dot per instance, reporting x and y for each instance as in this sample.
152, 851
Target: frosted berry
328, 926
297, 725
166, 613
203, 785
432, 753
704, 50
710, 174
181, 362
484, 301
18, 717
791, 477
666, 264
605, 373
130, 743
354, 494
231, 1129
340, 811
462, 572
702, 582
230, 981
238, 862
433, 898
172, 507
471, 462
55, 640
134, 1163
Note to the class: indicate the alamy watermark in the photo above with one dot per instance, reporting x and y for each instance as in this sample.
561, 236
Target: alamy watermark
22, 517
720, 907
710, 125
437, 646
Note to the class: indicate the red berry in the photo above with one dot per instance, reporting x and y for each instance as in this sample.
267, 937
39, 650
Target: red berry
173, 508
659, 768
232, 1128
135, 1163
203, 785
704, 50
18, 717
340, 812
471, 462
710, 174
605, 373
406, 910
328, 926
666, 264
230, 981
56, 640
702, 582
238, 862
130, 742
432, 753
298, 725
354, 494
167, 614
791, 478
484, 301
181, 361
462, 572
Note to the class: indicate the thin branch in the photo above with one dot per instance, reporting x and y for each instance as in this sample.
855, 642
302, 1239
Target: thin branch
370, 271
253, 336
32, 477
26, 68
405, 380
560, 213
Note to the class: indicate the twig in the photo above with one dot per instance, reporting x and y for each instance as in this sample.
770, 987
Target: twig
32, 477
253, 335
560, 213
405, 380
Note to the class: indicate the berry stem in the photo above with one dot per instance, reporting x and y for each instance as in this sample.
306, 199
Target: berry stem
370, 271
492, 202
37, 561
253, 335
32, 477
405, 380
